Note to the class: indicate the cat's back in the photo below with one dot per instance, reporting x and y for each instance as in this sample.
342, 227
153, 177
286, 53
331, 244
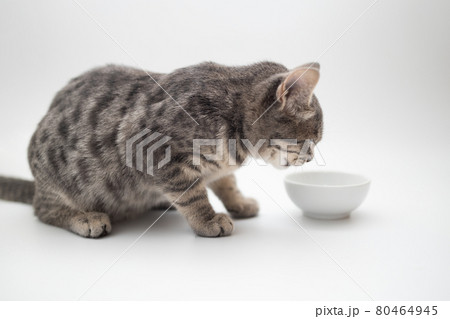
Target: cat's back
84, 116
211, 73
106, 82
95, 103
207, 85
103, 85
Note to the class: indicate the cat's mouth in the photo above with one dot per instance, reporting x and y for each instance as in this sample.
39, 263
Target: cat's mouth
284, 162
298, 162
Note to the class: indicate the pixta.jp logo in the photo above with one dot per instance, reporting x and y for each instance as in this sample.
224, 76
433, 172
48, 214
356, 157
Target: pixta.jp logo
149, 143
141, 148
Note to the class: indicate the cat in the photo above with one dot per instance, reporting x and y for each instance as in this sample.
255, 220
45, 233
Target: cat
78, 152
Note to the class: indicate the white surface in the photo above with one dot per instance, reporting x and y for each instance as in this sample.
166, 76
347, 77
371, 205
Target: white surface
326, 194
384, 91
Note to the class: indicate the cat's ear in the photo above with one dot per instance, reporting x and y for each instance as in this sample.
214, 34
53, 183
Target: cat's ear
296, 90
313, 65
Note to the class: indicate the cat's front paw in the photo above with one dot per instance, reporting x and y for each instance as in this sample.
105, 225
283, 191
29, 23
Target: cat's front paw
243, 208
220, 225
91, 225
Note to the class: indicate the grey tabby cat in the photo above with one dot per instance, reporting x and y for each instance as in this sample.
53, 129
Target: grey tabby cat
78, 152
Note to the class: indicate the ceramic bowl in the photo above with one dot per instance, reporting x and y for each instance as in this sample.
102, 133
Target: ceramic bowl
326, 194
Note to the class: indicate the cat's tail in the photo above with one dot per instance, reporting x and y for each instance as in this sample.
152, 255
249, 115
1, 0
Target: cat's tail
16, 190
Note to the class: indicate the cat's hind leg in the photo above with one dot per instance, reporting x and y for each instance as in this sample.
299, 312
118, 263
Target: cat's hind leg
51, 209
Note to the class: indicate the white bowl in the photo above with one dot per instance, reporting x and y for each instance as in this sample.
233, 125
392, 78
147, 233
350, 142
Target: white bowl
327, 195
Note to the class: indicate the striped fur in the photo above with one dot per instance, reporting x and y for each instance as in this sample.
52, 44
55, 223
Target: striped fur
16, 190
78, 153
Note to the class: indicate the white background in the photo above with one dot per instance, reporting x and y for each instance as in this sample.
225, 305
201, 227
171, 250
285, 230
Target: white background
384, 90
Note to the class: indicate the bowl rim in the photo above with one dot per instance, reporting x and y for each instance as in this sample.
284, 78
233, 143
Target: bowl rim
366, 182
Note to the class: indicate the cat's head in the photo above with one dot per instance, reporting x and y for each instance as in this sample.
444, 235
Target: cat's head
290, 117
